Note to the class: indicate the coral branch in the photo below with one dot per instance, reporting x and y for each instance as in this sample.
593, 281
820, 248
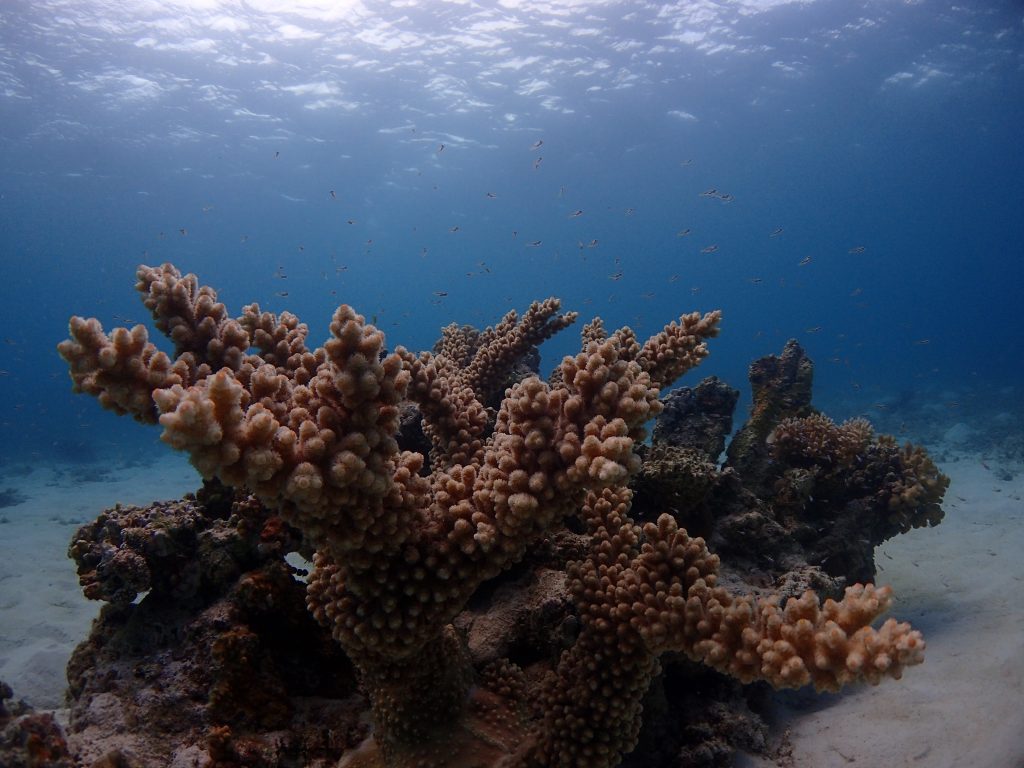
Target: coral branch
679, 347
121, 370
190, 316
646, 591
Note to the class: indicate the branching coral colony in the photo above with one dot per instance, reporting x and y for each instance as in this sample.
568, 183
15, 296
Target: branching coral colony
403, 544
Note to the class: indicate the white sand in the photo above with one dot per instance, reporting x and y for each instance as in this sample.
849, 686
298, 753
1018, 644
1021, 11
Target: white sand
960, 583
43, 614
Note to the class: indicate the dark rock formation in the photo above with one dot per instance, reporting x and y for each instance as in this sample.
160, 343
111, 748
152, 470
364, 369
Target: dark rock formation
699, 418
781, 388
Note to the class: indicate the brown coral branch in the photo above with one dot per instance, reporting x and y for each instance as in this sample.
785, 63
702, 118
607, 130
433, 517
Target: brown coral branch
280, 341
645, 591
453, 385
500, 347
122, 370
454, 419
679, 347
915, 487
190, 316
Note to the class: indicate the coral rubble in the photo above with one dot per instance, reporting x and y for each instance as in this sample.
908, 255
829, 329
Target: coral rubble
29, 739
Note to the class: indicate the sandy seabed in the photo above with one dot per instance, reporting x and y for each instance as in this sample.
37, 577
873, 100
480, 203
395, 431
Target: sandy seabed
43, 614
961, 584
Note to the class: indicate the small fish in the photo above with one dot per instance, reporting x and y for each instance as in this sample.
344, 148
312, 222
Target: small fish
537, 144
592, 244
726, 198
673, 279
814, 329
755, 280
857, 249
537, 162
440, 293
630, 211
683, 232
615, 275
922, 342
776, 232
648, 295
709, 249
491, 195
282, 293
804, 261
575, 214
534, 244
334, 196
454, 229
350, 221
709, 192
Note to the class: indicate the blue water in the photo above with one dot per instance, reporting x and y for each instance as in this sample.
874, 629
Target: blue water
882, 138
